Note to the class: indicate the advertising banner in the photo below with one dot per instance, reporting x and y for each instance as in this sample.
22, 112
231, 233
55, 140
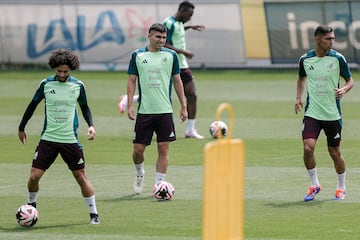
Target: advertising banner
105, 35
291, 28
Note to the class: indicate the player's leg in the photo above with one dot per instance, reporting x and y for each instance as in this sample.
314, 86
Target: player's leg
165, 132
143, 132
73, 155
191, 99
333, 133
310, 133
138, 159
45, 155
88, 193
162, 161
33, 185
340, 168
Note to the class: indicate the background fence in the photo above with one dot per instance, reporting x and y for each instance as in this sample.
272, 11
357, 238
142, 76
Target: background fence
247, 33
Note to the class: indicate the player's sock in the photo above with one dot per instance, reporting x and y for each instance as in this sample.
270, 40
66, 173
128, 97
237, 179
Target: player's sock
140, 171
190, 126
313, 176
341, 181
32, 197
159, 177
90, 201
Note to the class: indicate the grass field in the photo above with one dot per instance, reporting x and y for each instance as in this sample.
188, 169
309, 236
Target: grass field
276, 180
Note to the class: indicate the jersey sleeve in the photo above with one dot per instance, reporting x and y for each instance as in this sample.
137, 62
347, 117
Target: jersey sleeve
169, 24
82, 100
132, 70
176, 66
37, 98
344, 67
302, 72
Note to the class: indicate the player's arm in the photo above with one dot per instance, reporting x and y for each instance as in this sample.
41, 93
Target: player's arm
346, 74
195, 27
187, 53
299, 91
179, 89
37, 98
340, 92
86, 112
131, 86
26, 117
89, 120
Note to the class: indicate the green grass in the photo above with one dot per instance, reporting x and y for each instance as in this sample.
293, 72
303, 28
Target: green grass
275, 179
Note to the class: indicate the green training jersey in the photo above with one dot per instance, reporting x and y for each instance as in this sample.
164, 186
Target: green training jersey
154, 71
323, 76
175, 35
61, 98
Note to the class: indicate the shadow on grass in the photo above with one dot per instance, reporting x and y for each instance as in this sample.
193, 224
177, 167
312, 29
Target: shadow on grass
298, 203
130, 197
34, 228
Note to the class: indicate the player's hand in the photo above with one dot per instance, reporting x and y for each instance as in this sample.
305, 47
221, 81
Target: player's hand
339, 92
188, 54
298, 105
22, 136
131, 113
198, 27
91, 133
183, 115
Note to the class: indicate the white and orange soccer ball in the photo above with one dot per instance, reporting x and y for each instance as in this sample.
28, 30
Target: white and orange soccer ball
218, 126
163, 191
26, 216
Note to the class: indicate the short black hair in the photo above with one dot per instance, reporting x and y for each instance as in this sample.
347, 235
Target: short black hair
185, 5
64, 57
158, 27
322, 30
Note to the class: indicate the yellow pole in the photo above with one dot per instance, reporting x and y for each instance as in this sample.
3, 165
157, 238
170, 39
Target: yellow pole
223, 197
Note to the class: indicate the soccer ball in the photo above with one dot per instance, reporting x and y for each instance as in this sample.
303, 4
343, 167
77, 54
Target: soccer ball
218, 126
26, 216
163, 191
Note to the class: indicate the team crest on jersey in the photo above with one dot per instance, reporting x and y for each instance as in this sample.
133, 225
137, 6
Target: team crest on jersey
164, 61
331, 66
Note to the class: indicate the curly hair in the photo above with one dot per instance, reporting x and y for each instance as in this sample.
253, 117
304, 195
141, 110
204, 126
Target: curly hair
64, 57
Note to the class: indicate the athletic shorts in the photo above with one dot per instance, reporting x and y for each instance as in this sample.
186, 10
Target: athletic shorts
186, 75
147, 124
332, 129
46, 153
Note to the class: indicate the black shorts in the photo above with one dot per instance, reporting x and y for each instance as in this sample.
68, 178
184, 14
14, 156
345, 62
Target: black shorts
46, 153
186, 75
147, 124
332, 129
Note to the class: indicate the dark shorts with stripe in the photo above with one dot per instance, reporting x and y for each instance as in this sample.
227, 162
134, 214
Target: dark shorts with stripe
46, 152
186, 75
147, 124
332, 130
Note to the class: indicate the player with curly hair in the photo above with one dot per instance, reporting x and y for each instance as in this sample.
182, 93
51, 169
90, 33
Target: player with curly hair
61, 93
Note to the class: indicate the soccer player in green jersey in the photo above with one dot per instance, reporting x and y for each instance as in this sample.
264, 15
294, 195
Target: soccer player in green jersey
61, 94
320, 70
175, 40
154, 69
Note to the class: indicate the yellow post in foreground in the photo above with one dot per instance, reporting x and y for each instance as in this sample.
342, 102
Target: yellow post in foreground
224, 174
